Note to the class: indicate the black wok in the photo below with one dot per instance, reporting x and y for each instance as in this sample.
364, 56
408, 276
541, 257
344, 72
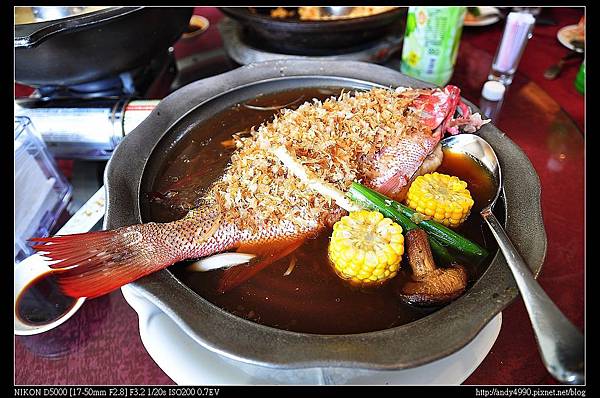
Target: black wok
92, 46
296, 37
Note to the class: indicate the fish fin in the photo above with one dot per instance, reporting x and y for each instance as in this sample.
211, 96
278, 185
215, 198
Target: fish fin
95, 263
266, 254
394, 185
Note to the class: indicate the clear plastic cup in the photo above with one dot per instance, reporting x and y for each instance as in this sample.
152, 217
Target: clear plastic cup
41, 191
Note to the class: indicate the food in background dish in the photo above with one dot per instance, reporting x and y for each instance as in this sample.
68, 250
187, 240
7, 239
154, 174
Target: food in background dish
579, 31
481, 16
314, 13
573, 36
282, 13
473, 14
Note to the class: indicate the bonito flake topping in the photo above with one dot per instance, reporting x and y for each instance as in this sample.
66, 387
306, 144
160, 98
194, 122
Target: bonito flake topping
332, 139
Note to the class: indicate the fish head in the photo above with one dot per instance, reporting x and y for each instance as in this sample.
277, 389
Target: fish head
444, 112
392, 167
436, 107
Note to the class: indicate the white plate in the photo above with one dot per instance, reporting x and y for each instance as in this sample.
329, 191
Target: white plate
488, 16
188, 363
565, 35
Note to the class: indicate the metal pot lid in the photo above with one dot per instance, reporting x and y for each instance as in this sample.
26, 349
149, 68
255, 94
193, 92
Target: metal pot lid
423, 341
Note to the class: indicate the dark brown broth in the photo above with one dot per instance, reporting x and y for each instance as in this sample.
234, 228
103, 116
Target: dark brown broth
42, 302
312, 299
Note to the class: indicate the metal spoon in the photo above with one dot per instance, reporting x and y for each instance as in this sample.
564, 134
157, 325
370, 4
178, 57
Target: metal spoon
560, 343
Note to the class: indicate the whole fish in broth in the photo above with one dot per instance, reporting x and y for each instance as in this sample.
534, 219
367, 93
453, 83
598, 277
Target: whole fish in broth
380, 137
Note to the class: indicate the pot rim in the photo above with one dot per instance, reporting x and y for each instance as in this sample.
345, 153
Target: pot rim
430, 338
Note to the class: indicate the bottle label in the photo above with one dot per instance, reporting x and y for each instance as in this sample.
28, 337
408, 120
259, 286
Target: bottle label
431, 42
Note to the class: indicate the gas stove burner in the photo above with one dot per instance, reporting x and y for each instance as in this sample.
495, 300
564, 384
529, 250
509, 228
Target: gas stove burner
141, 82
109, 87
243, 52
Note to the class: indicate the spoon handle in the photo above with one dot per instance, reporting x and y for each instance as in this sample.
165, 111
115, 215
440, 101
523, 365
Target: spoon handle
560, 343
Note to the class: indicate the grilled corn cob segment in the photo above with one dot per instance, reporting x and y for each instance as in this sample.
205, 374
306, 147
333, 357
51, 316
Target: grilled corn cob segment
444, 198
366, 248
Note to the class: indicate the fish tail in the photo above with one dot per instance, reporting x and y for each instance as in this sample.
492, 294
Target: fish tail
95, 263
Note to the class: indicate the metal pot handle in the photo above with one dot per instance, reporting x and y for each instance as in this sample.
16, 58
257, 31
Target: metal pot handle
33, 34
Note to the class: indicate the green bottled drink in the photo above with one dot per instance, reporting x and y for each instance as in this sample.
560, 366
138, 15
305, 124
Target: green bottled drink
431, 42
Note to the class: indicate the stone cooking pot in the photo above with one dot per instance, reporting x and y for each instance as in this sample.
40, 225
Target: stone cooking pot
246, 343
